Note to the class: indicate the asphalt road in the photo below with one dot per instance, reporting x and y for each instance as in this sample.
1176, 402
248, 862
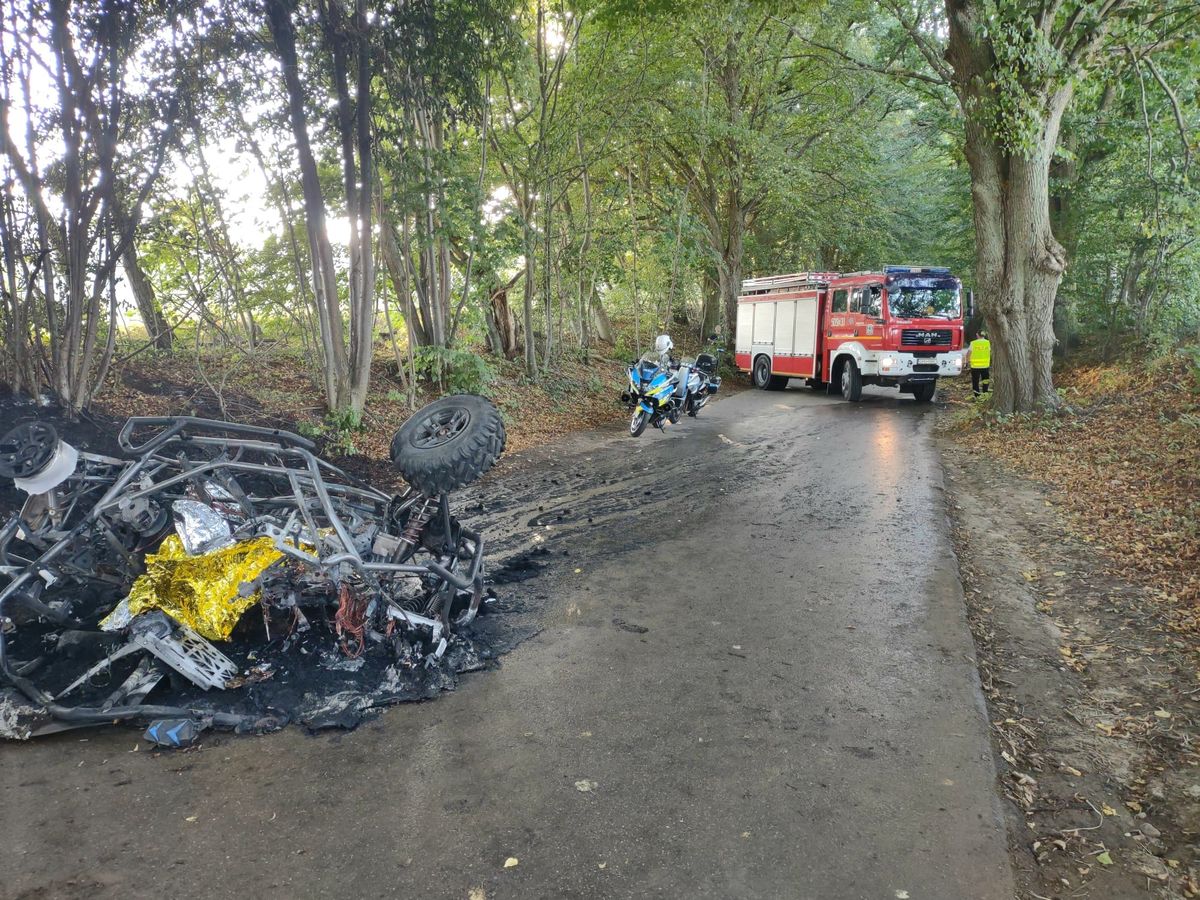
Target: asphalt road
753, 679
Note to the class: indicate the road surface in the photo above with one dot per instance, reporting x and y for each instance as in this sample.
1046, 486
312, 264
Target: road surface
753, 679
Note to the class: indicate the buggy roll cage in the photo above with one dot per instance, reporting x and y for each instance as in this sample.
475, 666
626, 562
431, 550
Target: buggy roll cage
318, 506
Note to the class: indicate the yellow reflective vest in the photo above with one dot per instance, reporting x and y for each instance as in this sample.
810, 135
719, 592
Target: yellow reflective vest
981, 353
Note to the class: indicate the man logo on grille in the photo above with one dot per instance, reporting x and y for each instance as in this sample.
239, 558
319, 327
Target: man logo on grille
928, 339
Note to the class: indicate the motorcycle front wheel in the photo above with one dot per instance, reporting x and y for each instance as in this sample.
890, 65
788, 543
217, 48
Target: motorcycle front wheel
637, 423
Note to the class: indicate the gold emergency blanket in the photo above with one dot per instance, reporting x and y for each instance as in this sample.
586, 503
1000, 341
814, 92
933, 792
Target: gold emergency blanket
202, 591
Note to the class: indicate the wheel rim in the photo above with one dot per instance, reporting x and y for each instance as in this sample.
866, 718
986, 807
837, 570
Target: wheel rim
760, 372
27, 450
846, 379
636, 420
440, 427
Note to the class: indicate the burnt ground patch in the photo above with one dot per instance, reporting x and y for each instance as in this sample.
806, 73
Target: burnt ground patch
545, 515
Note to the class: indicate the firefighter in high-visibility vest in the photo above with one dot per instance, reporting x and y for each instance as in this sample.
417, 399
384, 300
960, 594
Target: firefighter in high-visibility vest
981, 364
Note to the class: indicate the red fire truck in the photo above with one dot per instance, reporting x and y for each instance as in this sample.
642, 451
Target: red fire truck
902, 327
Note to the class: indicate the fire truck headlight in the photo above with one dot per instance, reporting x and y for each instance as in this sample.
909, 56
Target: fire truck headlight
886, 362
957, 363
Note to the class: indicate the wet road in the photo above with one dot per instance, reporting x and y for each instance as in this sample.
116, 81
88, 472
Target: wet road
753, 679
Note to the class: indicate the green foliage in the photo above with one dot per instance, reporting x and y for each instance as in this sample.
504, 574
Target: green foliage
1191, 356
310, 431
1128, 208
1027, 70
337, 431
456, 371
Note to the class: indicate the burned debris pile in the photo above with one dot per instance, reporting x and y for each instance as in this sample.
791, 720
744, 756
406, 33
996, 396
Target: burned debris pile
224, 575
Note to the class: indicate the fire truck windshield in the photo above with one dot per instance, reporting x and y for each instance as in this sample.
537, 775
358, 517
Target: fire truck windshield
910, 302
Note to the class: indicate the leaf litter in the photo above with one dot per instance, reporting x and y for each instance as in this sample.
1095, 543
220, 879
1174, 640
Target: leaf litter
1090, 676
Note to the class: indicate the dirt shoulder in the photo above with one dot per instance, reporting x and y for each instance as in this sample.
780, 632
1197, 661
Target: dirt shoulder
1092, 694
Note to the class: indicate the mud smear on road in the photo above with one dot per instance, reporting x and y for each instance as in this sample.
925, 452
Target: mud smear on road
1092, 698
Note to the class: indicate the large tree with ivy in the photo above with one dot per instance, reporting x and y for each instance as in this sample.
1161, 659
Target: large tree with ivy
1014, 66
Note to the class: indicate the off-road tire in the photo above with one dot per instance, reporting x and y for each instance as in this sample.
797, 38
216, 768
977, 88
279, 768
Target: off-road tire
449, 443
924, 392
851, 381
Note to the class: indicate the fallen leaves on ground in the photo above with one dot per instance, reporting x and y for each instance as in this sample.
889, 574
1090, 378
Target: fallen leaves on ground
1125, 462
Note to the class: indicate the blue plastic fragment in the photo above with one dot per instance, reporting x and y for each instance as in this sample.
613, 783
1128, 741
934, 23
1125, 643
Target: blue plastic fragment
173, 733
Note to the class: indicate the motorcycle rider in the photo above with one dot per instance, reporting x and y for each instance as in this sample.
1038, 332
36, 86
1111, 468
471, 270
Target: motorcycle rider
663, 345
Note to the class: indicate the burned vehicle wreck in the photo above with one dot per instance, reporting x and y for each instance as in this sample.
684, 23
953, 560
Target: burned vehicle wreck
225, 575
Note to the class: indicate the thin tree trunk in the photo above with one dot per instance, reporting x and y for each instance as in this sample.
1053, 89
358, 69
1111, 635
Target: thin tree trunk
157, 329
710, 318
336, 369
397, 270
531, 367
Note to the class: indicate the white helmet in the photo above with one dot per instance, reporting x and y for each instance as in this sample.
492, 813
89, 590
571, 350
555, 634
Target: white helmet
663, 343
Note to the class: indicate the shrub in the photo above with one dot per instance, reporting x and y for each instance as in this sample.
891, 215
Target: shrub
457, 371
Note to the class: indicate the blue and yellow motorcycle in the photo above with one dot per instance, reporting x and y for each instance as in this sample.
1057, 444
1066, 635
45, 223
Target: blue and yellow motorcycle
652, 395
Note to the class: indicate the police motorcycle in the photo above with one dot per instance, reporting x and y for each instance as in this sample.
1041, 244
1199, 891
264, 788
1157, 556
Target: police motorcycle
661, 388
656, 392
704, 377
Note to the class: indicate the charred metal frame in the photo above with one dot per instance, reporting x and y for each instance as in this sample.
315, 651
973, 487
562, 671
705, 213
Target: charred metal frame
323, 508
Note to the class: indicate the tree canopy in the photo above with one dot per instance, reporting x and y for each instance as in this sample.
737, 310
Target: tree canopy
543, 179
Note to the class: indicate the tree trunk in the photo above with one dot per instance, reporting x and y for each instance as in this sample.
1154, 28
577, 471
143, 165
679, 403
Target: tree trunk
362, 300
157, 329
506, 327
397, 269
329, 312
604, 326
1018, 268
729, 271
530, 246
710, 317
1019, 263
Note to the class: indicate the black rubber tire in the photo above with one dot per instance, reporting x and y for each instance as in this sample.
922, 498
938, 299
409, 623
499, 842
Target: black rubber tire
851, 381
637, 422
449, 443
924, 393
763, 379
761, 374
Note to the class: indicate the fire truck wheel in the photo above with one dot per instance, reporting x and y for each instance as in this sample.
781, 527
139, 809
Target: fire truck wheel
851, 381
764, 380
923, 393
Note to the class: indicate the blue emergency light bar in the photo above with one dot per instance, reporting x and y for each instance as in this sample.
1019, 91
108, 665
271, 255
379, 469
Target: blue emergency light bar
916, 270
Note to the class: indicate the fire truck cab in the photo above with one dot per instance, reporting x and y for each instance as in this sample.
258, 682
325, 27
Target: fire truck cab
902, 327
